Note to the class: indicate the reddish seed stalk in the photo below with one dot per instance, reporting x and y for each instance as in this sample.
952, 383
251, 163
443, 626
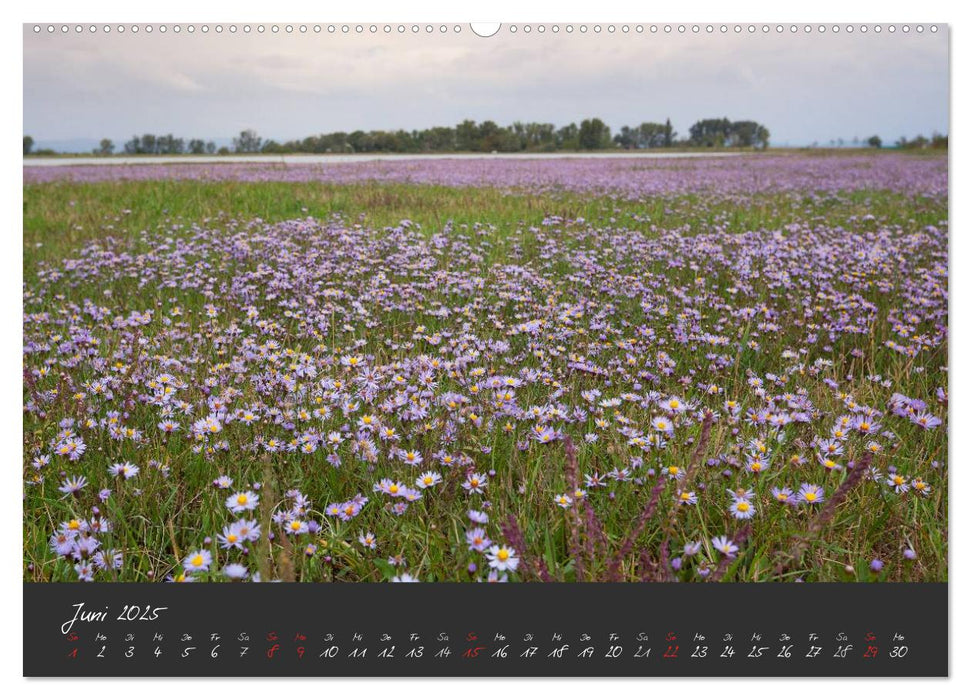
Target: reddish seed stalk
531, 566
573, 517
613, 572
596, 537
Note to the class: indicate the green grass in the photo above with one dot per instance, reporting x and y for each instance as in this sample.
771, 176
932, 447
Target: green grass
60, 216
173, 514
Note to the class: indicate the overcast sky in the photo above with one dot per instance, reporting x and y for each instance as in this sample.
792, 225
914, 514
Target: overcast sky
805, 88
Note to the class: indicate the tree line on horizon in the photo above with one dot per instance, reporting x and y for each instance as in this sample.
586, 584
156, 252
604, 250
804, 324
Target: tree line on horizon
488, 137
469, 136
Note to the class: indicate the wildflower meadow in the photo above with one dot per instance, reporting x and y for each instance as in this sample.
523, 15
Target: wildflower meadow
687, 370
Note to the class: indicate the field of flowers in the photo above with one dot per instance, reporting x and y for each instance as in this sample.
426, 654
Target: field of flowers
727, 369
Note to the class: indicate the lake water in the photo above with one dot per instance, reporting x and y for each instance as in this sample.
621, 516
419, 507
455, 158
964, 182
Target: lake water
313, 158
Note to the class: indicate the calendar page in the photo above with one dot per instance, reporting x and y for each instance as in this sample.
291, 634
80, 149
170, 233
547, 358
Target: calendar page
645, 322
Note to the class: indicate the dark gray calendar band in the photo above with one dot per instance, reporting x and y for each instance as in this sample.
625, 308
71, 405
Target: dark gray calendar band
131, 629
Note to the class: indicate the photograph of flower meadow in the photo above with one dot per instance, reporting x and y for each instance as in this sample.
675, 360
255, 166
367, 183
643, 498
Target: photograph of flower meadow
554, 351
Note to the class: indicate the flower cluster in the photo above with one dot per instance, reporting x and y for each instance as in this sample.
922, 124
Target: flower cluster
230, 392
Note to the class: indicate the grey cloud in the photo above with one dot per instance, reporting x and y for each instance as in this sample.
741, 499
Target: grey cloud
806, 88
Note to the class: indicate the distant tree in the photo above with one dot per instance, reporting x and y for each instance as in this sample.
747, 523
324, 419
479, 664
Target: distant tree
919, 141
627, 138
148, 144
747, 134
647, 135
438, 138
247, 142
722, 132
105, 148
487, 136
516, 137
593, 134
511, 141
338, 142
567, 137
742, 133
223, 151
669, 134
467, 136
710, 132
938, 140
490, 136
761, 137
311, 144
540, 137
654, 135
28, 145
360, 142
271, 146
874, 141
171, 145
